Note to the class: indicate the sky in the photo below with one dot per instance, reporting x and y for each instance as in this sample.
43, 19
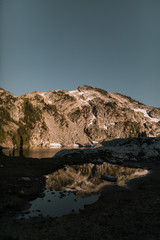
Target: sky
61, 44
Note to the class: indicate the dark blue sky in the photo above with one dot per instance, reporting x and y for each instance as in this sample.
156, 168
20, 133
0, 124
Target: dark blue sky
61, 44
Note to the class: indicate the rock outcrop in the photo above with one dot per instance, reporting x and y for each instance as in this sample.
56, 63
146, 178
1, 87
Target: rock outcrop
116, 151
71, 118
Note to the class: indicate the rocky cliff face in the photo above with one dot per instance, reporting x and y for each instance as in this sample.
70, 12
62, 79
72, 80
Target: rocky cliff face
83, 116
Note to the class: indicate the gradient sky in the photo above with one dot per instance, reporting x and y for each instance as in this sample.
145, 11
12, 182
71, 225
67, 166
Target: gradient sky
61, 44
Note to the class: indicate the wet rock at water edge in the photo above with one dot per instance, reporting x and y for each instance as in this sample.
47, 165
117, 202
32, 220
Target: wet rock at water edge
97, 161
109, 178
26, 179
26, 211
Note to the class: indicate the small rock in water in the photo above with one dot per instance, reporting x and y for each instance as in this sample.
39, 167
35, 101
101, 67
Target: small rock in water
26, 211
133, 159
26, 178
62, 194
109, 178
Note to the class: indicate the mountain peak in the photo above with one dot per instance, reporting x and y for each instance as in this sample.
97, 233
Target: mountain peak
71, 118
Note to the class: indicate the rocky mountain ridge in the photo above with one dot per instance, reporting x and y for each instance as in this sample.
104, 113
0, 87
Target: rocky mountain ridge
84, 116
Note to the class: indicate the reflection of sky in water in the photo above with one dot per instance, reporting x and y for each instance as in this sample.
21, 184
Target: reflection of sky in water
58, 204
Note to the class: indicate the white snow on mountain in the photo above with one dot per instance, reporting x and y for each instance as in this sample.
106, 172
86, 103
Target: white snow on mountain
146, 114
91, 122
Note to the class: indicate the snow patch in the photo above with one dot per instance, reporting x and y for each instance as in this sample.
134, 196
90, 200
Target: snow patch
94, 144
75, 145
55, 145
142, 111
77, 95
89, 99
42, 94
105, 127
72, 92
91, 122
80, 93
146, 114
154, 119
83, 101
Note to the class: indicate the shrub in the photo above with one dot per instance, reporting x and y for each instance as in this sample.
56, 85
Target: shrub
23, 132
4, 116
111, 104
9, 98
31, 114
65, 96
75, 115
50, 108
103, 92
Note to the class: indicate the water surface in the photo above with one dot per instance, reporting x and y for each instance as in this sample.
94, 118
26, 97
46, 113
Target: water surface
71, 188
33, 153
59, 203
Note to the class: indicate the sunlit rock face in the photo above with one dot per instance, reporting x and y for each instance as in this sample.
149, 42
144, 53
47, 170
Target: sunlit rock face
87, 179
68, 118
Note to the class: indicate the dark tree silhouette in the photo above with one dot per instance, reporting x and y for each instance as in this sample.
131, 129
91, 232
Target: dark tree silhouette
21, 146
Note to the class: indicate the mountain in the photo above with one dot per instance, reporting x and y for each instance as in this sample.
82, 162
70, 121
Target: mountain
71, 118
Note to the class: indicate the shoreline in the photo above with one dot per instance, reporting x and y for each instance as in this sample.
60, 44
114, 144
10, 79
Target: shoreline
115, 206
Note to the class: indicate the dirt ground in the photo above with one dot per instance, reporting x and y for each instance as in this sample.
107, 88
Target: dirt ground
120, 213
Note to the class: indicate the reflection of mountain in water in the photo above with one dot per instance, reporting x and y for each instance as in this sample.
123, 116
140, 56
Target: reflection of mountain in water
86, 179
